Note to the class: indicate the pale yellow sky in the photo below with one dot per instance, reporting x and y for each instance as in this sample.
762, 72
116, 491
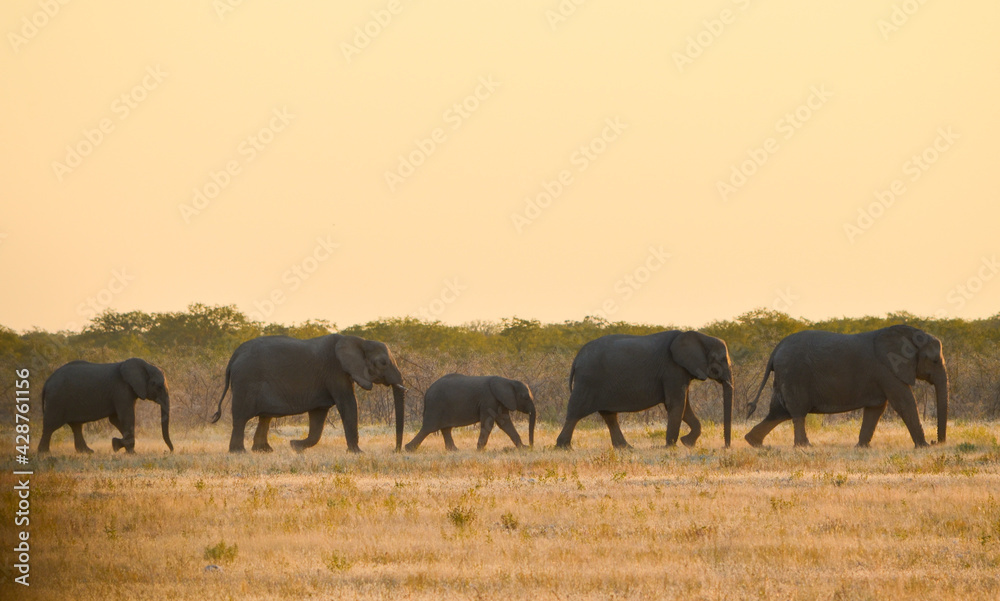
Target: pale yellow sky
351, 176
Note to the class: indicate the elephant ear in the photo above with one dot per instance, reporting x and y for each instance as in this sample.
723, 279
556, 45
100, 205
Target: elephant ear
896, 349
352, 359
135, 374
688, 352
503, 390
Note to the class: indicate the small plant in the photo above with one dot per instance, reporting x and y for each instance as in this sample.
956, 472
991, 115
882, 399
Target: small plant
509, 522
618, 476
965, 447
336, 563
461, 516
111, 532
221, 552
200, 484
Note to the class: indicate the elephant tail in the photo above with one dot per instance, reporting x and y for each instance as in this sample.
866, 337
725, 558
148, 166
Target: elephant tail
229, 371
767, 373
572, 373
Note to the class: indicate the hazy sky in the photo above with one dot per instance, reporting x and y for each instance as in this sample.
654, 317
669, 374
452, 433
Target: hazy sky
662, 162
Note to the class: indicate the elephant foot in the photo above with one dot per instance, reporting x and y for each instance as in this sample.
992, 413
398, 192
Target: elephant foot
265, 448
116, 443
86, 450
803, 445
354, 450
863, 445
624, 446
918, 445
689, 440
130, 450
753, 442
411, 447
297, 445
452, 448
237, 450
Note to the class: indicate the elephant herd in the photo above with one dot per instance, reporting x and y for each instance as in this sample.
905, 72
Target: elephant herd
278, 376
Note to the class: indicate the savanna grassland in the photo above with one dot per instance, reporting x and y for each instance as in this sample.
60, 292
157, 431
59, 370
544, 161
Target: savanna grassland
827, 522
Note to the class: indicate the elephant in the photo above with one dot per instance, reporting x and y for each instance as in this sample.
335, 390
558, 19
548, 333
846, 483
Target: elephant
457, 400
276, 376
622, 372
826, 372
81, 392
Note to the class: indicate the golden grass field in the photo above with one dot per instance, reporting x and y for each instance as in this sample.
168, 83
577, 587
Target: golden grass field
828, 522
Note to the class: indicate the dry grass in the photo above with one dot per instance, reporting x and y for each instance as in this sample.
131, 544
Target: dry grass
830, 522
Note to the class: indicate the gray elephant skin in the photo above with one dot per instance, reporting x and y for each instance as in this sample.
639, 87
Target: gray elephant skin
456, 400
81, 392
826, 372
621, 372
277, 376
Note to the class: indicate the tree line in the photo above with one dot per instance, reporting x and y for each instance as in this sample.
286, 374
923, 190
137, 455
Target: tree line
193, 347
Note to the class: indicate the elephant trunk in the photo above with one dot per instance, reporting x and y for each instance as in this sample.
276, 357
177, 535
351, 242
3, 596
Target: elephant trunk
165, 420
531, 426
727, 410
941, 389
398, 396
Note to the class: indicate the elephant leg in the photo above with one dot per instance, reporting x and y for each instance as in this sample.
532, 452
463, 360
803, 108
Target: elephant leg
239, 430
565, 438
414, 444
675, 413
317, 417
691, 420
116, 443
126, 425
260, 435
868, 422
449, 442
799, 423
617, 438
81, 444
905, 405
47, 430
507, 426
485, 427
348, 408
777, 415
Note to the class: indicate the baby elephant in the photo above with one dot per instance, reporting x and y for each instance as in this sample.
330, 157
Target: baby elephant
456, 400
81, 392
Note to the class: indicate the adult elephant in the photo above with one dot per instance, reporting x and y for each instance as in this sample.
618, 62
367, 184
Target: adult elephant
619, 372
825, 372
276, 376
456, 400
81, 392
